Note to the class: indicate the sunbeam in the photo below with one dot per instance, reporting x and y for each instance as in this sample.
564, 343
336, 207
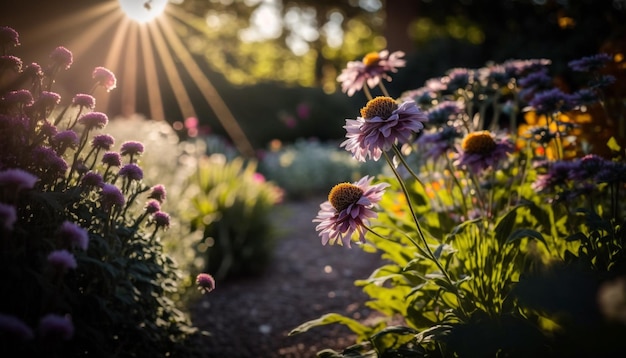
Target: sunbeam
152, 80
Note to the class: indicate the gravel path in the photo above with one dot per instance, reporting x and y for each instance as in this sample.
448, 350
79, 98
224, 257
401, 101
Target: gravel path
251, 317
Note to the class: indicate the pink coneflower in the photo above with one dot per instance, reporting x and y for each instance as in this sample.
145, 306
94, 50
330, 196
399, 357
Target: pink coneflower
15, 328
54, 326
8, 216
63, 260
111, 196
74, 234
131, 148
158, 193
93, 120
382, 124
104, 78
131, 171
102, 141
347, 211
153, 206
62, 57
84, 100
205, 282
373, 67
479, 151
17, 179
112, 159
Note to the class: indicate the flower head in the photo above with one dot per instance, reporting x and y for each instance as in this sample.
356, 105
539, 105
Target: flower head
9, 37
91, 180
590, 63
439, 142
373, 67
74, 234
47, 100
458, 78
112, 159
131, 148
443, 112
11, 62
61, 57
382, 124
205, 282
15, 328
161, 219
552, 101
158, 193
49, 164
20, 97
347, 211
104, 78
111, 196
17, 179
94, 120
8, 216
63, 260
153, 206
479, 151
131, 171
84, 100
102, 141
65, 139
56, 327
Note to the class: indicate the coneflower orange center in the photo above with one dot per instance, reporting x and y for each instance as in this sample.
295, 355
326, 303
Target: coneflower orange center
380, 106
371, 59
344, 194
478, 143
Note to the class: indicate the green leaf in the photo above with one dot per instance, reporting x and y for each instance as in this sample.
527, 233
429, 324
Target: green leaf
523, 233
330, 318
505, 225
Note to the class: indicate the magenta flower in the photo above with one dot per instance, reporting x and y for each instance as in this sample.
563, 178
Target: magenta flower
131, 148
21, 97
17, 179
63, 260
15, 328
131, 171
111, 196
8, 216
373, 67
56, 327
479, 151
49, 163
11, 62
158, 193
382, 124
205, 282
65, 139
104, 78
93, 120
347, 211
102, 141
47, 100
9, 37
84, 100
153, 206
112, 159
62, 57
74, 234
161, 219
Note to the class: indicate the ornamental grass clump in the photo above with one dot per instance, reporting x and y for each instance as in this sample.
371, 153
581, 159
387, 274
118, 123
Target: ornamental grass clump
83, 271
502, 235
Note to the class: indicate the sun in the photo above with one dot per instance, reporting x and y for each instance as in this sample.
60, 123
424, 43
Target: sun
143, 11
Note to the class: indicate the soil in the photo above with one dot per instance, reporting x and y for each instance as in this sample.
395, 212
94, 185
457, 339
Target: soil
252, 317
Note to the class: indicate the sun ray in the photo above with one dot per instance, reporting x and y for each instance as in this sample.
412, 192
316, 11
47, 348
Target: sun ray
113, 57
152, 81
178, 88
129, 84
222, 112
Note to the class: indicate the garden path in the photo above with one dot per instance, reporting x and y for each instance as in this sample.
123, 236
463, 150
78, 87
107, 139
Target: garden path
305, 280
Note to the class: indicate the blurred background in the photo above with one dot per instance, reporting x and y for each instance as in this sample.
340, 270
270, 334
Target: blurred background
255, 71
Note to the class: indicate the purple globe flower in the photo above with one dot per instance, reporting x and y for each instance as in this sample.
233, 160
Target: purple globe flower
158, 193
62, 260
104, 78
53, 326
102, 141
84, 100
65, 139
131, 171
49, 163
91, 180
74, 234
552, 101
111, 196
20, 97
480, 151
153, 206
47, 100
382, 124
161, 219
17, 179
8, 216
9, 37
93, 120
205, 282
11, 62
131, 148
112, 159
348, 210
62, 57
373, 68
